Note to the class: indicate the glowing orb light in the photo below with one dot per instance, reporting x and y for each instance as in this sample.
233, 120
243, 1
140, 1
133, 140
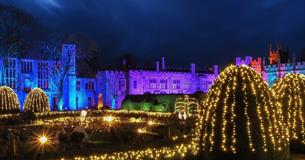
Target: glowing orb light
108, 119
43, 139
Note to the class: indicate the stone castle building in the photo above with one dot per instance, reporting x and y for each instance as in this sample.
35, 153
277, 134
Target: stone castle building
128, 80
23, 75
278, 65
109, 87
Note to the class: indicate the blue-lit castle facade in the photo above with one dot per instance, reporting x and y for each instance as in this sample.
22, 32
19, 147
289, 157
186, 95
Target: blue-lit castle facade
108, 88
23, 75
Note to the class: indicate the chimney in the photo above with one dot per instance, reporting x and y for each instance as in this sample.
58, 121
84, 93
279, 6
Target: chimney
215, 69
124, 62
193, 68
163, 63
158, 66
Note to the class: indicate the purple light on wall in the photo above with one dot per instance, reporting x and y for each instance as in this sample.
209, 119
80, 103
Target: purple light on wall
239, 61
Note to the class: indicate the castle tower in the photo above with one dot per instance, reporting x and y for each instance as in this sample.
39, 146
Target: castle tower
274, 56
280, 55
256, 64
68, 61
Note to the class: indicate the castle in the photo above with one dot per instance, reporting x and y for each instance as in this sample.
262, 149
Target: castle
159, 79
278, 66
108, 88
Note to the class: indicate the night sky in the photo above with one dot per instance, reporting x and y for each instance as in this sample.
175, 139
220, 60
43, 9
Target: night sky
204, 32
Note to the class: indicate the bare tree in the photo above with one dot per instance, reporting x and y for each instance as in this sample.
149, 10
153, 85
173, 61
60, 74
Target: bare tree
60, 66
14, 24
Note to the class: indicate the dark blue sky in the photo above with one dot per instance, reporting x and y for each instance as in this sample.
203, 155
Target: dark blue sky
204, 32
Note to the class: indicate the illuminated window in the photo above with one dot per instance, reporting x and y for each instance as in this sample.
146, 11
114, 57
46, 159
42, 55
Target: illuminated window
89, 102
135, 84
152, 83
176, 84
122, 84
43, 75
10, 73
187, 86
163, 84
90, 86
78, 85
26, 66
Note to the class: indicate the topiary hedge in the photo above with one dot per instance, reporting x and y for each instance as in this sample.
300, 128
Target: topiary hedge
240, 119
290, 93
9, 102
37, 101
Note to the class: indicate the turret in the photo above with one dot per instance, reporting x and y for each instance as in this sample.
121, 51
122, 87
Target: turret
239, 61
193, 68
158, 66
163, 63
256, 64
274, 56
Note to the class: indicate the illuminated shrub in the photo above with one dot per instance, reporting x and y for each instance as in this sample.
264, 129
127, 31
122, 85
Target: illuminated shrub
159, 108
149, 102
145, 106
290, 92
8, 100
240, 119
186, 104
37, 101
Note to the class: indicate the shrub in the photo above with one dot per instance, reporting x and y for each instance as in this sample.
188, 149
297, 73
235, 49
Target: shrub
240, 119
37, 101
9, 102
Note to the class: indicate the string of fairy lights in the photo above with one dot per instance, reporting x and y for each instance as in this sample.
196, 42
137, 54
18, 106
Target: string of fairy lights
233, 91
37, 101
262, 111
290, 93
238, 102
186, 106
9, 100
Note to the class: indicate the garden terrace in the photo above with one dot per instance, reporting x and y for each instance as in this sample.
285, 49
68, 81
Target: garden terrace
122, 130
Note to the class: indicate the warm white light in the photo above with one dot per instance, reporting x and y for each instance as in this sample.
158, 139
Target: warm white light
141, 130
108, 119
179, 115
151, 123
83, 113
43, 140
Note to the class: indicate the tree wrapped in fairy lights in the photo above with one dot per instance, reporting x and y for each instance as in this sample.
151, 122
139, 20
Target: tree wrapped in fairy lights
9, 102
240, 119
37, 101
290, 93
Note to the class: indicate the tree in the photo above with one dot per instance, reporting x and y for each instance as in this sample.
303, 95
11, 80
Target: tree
88, 51
59, 70
241, 119
289, 91
15, 24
